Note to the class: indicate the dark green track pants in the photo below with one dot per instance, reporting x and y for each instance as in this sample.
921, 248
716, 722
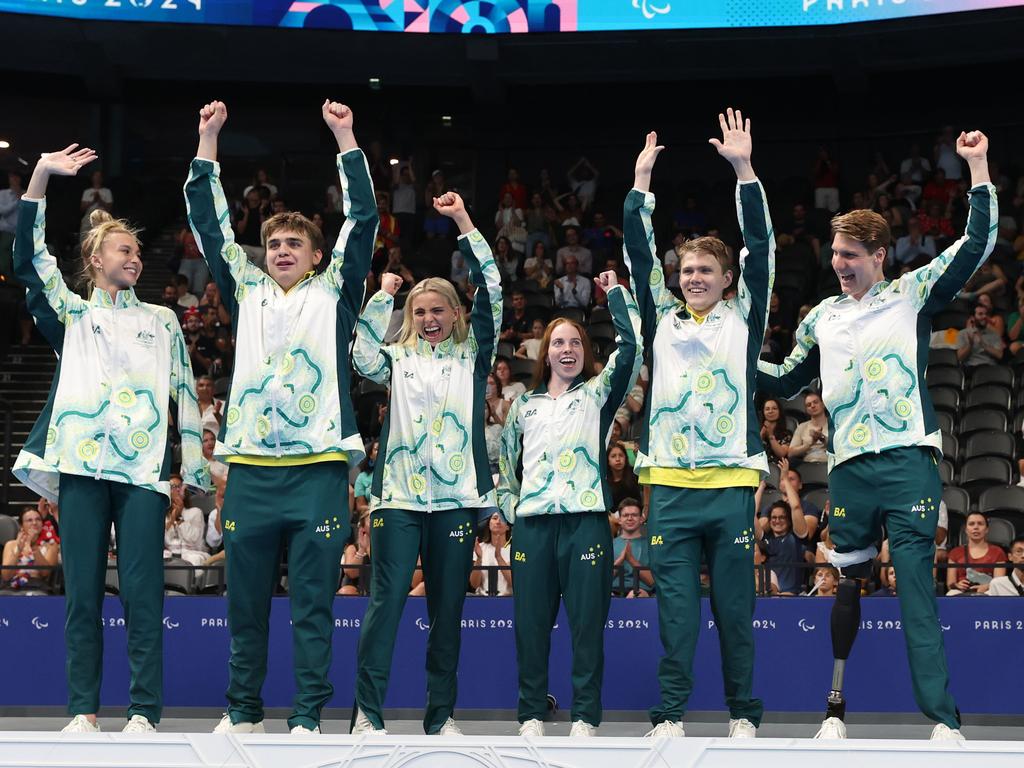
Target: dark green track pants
900, 489
87, 509
444, 541
561, 556
683, 523
305, 507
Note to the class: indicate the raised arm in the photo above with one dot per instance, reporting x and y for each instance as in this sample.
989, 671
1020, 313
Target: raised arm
350, 259
646, 274
757, 259
50, 302
368, 354
510, 463
619, 375
195, 471
485, 319
209, 215
934, 285
799, 369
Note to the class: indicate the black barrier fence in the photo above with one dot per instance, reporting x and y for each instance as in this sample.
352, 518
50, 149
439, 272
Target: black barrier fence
184, 578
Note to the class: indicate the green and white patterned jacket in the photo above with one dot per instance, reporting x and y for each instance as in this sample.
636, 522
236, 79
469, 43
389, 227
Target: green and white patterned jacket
289, 395
432, 453
120, 364
553, 450
700, 412
871, 354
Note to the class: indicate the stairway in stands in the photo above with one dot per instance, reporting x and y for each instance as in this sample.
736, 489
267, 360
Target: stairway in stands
26, 372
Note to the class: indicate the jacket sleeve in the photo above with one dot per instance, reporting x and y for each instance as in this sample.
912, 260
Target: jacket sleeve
646, 273
509, 463
799, 369
757, 259
195, 471
209, 216
488, 303
934, 285
52, 304
369, 356
353, 251
619, 375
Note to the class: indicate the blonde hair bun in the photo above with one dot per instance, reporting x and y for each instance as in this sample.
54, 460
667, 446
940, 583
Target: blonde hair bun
99, 216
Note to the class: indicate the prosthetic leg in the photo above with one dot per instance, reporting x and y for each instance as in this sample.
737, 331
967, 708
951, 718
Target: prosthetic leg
844, 625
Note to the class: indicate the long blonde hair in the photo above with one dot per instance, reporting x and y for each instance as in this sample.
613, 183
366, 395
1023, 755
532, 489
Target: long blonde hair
407, 336
101, 224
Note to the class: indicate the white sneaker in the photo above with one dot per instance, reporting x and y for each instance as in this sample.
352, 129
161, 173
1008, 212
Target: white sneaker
363, 725
226, 726
831, 728
450, 729
532, 727
81, 724
139, 724
667, 729
301, 730
582, 730
742, 729
943, 732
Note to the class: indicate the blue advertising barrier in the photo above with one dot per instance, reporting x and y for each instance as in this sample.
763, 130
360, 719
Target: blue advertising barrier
792, 672
500, 16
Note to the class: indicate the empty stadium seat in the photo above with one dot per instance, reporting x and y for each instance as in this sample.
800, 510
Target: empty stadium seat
946, 421
949, 318
819, 497
600, 315
990, 443
987, 396
957, 500
505, 349
979, 420
950, 448
814, 474
1008, 498
985, 472
570, 313
946, 473
601, 331
945, 399
943, 357
944, 376
178, 579
992, 374
522, 369
8, 529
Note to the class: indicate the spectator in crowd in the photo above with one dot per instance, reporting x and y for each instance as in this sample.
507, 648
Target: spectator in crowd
631, 554
193, 265
214, 528
494, 421
511, 223
888, 586
184, 526
510, 389
785, 548
530, 348
907, 192
582, 178
778, 331
810, 439
791, 485
996, 322
517, 325
261, 181
990, 278
356, 560
434, 224
507, 258
915, 166
939, 189
96, 198
1012, 584
978, 343
218, 469
568, 212
572, 289
186, 300
970, 568
249, 221
946, 158
50, 514
935, 220
671, 257
602, 239
209, 404
765, 580
1014, 326
538, 223
914, 249
494, 399
538, 265
9, 200
394, 264
388, 229
621, 479
774, 435
202, 345
493, 548
826, 182
403, 202
365, 477
26, 550
826, 581
211, 298
584, 258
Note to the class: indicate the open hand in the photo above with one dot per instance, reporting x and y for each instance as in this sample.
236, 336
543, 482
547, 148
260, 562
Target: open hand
648, 155
212, 118
67, 161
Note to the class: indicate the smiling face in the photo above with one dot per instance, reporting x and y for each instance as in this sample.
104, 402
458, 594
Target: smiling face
290, 256
778, 519
856, 267
565, 352
117, 263
770, 410
702, 280
629, 519
31, 523
433, 317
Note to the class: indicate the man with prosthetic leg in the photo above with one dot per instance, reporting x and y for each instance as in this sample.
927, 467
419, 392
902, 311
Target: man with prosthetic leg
869, 346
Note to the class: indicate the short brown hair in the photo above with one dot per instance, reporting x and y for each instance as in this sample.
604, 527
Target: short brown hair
294, 222
710, 245
865, 227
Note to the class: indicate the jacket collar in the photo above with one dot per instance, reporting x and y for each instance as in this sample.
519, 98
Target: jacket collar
125, 298
542, 388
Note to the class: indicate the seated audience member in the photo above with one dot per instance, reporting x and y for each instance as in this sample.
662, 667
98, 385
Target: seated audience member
510, 390
218, 469
185, 299
791, 486
572, 248
493, 548
631, 553
572, 289
493, 426
1011, 585
914, 249
184, 527
826, 581
529, 349
810, 439
765, 580
538, 266
785, 546
365, 478
28, 549
517, 324
774, 435
970, 568
209, 405
888, 587
978, 343
214, 529
621, 478
497, 404
356, 559
50, 514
